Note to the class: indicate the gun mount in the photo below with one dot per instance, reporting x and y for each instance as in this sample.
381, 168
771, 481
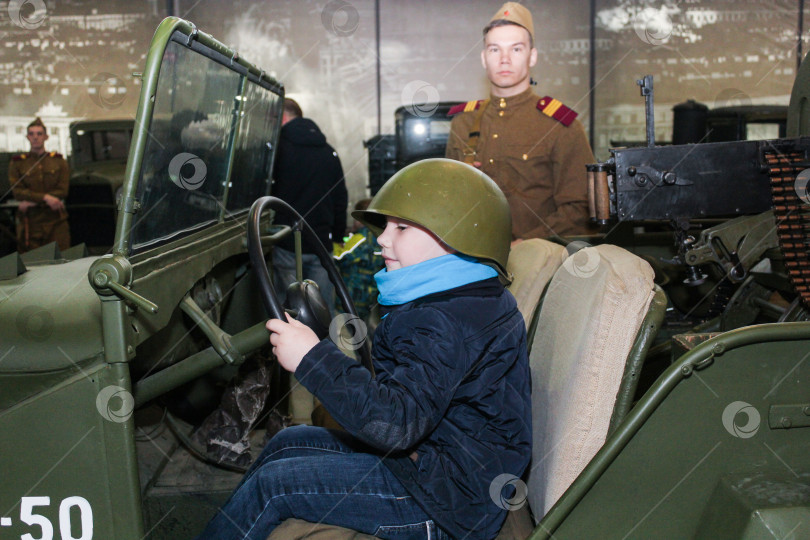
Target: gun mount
759, 187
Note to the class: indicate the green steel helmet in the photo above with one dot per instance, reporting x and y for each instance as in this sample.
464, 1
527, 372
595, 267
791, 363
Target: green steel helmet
459, 204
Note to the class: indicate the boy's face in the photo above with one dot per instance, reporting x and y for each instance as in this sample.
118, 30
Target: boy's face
405, 243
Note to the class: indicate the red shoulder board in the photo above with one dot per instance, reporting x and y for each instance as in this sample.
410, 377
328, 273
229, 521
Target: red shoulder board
465, 107
56, 155
18, 157
556, 110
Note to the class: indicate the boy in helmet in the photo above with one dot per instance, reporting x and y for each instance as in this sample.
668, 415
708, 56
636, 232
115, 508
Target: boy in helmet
435, 442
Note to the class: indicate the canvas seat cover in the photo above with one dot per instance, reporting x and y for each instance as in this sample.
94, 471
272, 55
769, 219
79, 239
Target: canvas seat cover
591, 314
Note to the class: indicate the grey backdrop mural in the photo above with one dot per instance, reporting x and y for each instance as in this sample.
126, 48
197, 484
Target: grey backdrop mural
71, 59
68, 60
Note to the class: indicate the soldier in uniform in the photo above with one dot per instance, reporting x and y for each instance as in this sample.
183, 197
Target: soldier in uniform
533, 147
39, 181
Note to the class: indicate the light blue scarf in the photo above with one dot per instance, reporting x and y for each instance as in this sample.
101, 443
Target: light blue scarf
428, 277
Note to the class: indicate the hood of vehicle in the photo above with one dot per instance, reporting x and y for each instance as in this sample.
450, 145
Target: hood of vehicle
51, 319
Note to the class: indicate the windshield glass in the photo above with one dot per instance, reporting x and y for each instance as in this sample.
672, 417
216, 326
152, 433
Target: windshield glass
203, 112
254, 148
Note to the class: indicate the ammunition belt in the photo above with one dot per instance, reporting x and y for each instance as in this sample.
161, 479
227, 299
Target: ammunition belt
792, 217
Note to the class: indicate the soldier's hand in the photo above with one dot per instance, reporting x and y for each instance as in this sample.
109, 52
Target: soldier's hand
53, 203
291, 340
477, 164
25, 205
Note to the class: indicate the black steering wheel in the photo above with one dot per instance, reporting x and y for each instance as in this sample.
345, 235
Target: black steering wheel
268, 291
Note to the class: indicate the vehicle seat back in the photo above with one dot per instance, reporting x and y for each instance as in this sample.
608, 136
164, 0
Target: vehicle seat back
532, 264
589, 320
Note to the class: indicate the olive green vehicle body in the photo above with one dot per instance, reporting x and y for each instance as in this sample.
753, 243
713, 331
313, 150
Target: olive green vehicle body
674, 469
63, 341
83, 340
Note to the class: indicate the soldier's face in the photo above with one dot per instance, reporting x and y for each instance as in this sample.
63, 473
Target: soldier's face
37, 138
405, 243
507, 57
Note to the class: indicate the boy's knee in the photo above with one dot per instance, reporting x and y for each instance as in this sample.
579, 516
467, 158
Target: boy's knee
283, 437
301, 435
300, 432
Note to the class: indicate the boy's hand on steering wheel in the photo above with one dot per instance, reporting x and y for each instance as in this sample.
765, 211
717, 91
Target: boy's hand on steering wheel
291, 340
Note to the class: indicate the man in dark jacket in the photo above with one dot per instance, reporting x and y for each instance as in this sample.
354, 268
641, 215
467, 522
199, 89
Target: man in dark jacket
308, 176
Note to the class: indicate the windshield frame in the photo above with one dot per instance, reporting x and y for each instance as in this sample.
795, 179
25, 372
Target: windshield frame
173, 29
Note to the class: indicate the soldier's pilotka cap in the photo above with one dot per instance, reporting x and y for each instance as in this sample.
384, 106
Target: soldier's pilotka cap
516, 14
37, 122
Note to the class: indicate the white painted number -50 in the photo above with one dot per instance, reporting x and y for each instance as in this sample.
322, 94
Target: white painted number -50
29, 516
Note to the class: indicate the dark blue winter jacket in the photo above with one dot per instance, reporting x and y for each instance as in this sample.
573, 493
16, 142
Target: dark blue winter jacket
450, 406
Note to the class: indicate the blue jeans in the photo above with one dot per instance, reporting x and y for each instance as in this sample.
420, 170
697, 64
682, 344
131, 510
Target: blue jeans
284, 274
322, 476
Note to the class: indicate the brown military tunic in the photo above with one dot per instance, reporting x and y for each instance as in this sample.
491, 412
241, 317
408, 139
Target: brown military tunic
31, 178
537, 161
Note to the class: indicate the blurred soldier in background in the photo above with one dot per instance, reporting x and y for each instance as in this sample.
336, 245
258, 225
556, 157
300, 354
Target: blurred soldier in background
39, 181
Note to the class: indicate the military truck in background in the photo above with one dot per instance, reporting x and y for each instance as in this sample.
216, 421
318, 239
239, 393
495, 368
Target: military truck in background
8, 240
420, 133
98, 160
694, 122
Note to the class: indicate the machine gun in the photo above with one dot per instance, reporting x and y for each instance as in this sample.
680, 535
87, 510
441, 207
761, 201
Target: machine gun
760, 187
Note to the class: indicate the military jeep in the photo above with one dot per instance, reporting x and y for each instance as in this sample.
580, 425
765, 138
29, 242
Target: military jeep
85, 340
104, 360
